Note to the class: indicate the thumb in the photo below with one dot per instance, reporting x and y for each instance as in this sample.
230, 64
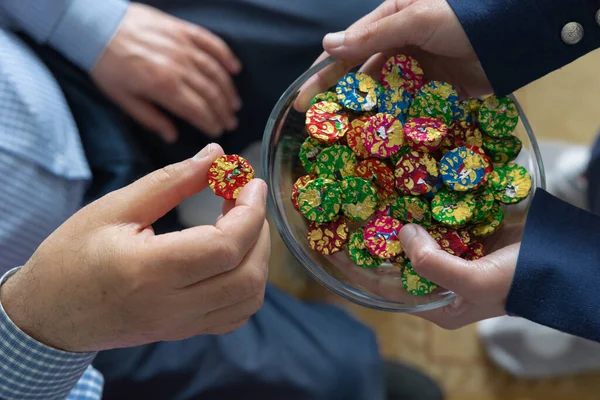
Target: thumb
436, 265
408, 27
151, 197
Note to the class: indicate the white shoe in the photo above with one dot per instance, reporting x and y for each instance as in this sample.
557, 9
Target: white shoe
528, 350
519, 346
566, 175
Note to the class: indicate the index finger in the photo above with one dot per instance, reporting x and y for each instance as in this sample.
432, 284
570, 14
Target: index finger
329, 75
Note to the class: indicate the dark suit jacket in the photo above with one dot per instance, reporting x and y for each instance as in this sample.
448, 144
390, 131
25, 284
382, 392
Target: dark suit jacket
557, 281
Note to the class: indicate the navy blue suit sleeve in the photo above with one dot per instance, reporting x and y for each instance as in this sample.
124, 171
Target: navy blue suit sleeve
557, 280
519, 41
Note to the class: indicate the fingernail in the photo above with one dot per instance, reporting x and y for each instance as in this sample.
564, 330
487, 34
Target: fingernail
333, 40
205, 152
407, 233
233, 123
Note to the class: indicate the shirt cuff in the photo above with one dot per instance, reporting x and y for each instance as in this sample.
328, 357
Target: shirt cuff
79, 29
86, 29
32, 370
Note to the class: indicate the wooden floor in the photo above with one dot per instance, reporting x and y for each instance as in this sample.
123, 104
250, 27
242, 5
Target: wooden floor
564, 105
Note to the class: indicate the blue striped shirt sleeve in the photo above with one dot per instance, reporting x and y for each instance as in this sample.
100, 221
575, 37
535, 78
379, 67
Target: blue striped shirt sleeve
79, 29
30, 370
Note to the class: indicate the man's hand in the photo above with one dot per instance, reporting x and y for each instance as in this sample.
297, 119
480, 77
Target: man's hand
425, 29
481, 286
158, 61
104, 280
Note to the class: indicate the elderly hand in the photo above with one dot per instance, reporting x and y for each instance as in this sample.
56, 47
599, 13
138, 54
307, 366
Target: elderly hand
158, 61
425, 29
104, 280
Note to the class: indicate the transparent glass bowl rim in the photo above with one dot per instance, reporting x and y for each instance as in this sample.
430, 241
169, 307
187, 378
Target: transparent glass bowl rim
315, 271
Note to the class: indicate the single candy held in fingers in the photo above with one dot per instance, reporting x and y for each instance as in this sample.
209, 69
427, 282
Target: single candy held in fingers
228, 174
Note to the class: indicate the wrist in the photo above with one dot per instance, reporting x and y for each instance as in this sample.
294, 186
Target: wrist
19, 299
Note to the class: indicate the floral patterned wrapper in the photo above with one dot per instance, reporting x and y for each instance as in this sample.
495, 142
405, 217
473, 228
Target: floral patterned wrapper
336, 162
498, 117
354, 137
383, 135
381, 237
411, 210
484, 202
325, 96
416, 284
444, 90
395, 102
417, 174
228, 174
299, 185
328, 238
359, 198
502, 150
425, 134
511, 183
326, 122
404, 150
453, 241
452, 208
475, 252
467, 110
380, 174
461, 133
489, 167
320, 200
462, 169
309, 151
490, 223
357, 91
432, 106
359, 253
404, 72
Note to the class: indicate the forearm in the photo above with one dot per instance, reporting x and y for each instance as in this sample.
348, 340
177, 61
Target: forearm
80, 29
32, 370
519, 41
558, 270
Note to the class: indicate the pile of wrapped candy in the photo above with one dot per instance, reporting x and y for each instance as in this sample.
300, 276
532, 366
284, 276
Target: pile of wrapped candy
380, 154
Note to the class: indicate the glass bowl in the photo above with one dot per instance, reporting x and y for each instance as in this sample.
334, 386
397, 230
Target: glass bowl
381, 288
